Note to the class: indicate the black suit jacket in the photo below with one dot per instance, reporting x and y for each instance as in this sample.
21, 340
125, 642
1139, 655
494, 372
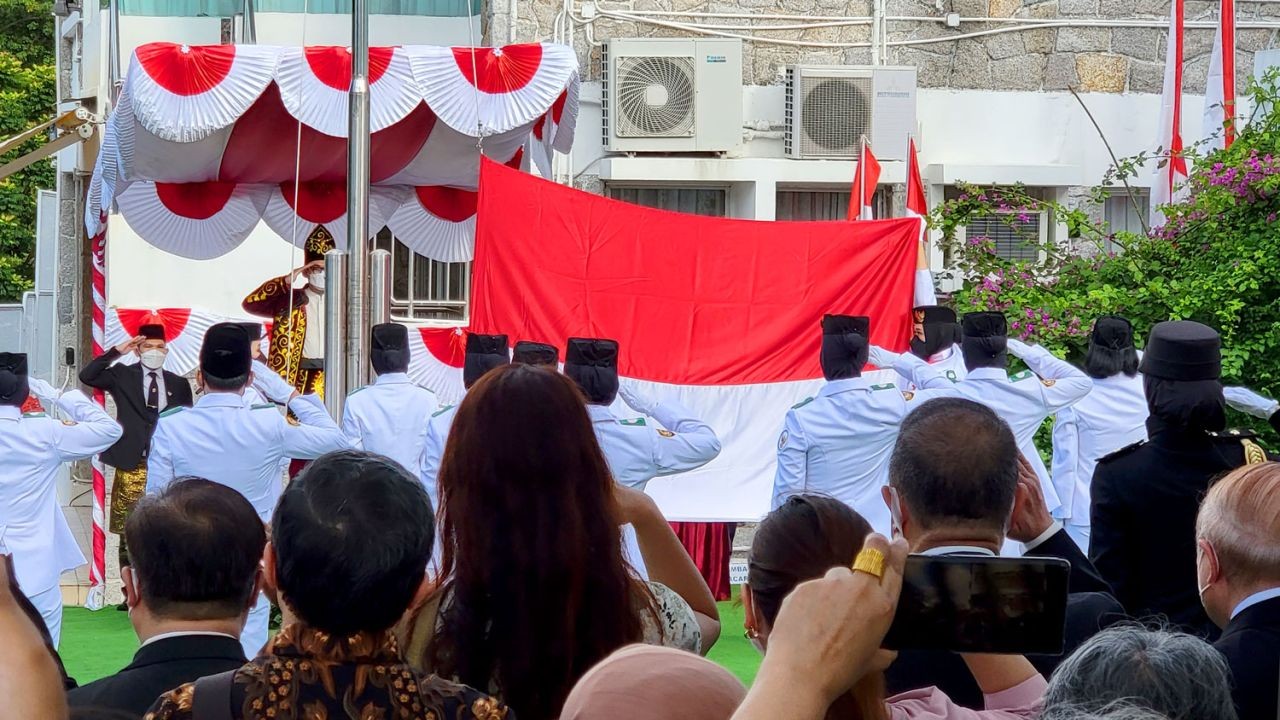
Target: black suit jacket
1251, 644
158, 668
124, 382
1145, 500
1090, 608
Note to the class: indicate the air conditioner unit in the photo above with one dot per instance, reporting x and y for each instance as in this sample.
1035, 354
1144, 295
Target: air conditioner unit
671, 96
830, 108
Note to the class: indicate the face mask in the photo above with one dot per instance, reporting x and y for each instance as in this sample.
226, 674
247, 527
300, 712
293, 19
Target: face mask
1200, 588
153, 359
757, 644
317, 281
895, 512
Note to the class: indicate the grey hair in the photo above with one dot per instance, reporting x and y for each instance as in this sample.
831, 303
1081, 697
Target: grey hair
1114, 711
1178, 676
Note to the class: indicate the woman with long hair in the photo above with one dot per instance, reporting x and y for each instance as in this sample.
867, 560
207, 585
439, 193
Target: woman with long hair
534, 587
811, 534
1112, 416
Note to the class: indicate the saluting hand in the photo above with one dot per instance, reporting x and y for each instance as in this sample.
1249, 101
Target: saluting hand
1030, 516
130, 345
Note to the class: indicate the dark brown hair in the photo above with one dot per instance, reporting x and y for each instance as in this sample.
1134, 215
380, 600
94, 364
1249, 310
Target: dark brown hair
801, 540
537, 591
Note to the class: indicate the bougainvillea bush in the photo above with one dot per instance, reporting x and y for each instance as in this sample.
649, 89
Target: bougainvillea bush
1216, 259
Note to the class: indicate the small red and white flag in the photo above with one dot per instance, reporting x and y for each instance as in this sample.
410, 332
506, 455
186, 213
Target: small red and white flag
1171, 171
918, 207
1220, 90
865, 179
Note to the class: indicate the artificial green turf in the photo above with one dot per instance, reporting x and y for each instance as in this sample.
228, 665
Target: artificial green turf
96, 644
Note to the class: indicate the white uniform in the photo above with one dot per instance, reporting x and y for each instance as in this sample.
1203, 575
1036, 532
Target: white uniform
638, 451
1023, 401
390, 418
32, 526
222, 440
839, 443
950, 362
1111, 417
433, 451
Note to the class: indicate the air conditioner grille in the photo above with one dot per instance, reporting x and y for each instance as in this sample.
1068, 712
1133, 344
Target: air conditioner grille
835, 115
655, 97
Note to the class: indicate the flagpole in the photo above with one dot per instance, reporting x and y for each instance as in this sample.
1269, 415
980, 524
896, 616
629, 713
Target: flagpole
358, 151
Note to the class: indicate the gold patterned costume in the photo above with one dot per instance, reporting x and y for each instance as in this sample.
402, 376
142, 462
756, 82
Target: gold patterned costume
287, 308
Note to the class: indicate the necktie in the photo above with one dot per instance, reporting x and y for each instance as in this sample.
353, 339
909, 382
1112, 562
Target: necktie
153, 393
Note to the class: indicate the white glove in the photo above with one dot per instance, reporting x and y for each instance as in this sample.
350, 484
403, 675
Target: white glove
882, 358
1018, 348
1250, 402
640, 401
271, 385
43, 391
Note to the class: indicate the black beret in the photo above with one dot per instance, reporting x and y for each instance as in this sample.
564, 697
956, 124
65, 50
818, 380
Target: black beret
1183, 350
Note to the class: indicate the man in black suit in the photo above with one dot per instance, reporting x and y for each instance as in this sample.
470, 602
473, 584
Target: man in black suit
141, 391
1145, 497
958, 486
1238, 576
197, 546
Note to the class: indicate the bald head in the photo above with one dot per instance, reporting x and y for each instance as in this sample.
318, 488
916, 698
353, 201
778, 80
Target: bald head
1240, 518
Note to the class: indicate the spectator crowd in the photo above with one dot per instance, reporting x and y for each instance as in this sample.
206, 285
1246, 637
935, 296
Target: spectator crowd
528, 575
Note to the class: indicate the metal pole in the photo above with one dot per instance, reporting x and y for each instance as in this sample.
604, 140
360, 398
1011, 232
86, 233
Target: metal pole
114, 77
335, 320
251, 24
357, 347
379, 287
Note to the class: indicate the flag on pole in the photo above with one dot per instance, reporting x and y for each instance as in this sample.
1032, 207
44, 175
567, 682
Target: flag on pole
1220, 92
1171, 172
918, 207
865, 179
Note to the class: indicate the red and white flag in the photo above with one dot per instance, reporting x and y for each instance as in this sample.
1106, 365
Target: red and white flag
1171, 171
720, 315
1220, 91
865, 179
918, 207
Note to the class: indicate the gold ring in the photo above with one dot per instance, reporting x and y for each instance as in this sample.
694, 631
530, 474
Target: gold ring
870, 561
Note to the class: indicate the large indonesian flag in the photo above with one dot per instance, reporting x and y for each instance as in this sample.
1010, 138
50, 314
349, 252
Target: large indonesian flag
722, 315
1220, 85
1171, 172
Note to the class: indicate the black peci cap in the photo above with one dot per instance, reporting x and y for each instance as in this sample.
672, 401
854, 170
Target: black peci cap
1113, 332
842, 324
14, 389
985, 325
593, 364
225, 353
152, 331
528, 352
1183, 350
484, 353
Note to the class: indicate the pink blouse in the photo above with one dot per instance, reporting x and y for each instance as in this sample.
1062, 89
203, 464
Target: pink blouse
1020, 702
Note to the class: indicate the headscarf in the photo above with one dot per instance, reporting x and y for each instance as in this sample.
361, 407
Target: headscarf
844, 346
940, 330
643, 682
986, 340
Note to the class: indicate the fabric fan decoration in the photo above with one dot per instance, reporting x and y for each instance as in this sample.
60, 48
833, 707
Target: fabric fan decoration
204, 141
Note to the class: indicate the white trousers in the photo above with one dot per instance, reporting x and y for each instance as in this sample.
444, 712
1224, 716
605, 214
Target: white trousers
255, 628
49, 605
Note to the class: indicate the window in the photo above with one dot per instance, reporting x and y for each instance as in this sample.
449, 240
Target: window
711, 201
422, 288
1120, 215
228, 8
1016, 234
827, 204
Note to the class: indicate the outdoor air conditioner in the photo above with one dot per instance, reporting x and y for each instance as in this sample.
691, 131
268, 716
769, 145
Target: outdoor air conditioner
830, 108
679, 95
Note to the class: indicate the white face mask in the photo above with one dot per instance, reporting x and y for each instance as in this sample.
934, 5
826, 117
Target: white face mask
316, 280
153, 359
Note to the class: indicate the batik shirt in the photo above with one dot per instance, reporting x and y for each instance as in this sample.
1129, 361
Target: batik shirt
305, 673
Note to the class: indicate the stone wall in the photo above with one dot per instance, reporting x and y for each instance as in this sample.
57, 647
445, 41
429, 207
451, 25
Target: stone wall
1093, 59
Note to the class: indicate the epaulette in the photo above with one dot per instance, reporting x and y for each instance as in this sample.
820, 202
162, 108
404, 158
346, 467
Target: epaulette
173, 410
1233, 435
359, 389
1122, 452
633, 422
802, 403
886, 386
262, 406
1025, 374
442, 411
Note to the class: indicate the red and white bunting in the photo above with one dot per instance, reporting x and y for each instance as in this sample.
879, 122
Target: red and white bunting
324, 204
1171, 169
197, 221
314, 85
182, 93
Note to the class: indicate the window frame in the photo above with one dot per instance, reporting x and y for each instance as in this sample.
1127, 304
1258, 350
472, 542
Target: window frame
723, 188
